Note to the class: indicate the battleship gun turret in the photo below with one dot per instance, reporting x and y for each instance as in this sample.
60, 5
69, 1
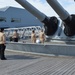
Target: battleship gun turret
69, 20
50, 23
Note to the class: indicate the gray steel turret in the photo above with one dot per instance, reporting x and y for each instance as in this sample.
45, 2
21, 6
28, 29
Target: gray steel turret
50, 23
69, 20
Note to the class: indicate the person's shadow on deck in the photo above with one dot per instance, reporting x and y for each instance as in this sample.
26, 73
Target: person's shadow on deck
20, 57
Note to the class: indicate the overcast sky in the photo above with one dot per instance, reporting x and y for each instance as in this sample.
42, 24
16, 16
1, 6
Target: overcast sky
42, 5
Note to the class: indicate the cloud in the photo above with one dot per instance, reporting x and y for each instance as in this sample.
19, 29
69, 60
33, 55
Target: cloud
42, 5
69, 6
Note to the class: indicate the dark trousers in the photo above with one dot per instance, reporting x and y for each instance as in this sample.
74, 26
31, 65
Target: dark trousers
15, 39
2, 49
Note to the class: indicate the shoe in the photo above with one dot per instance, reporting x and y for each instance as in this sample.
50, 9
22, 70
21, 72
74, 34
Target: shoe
3, 59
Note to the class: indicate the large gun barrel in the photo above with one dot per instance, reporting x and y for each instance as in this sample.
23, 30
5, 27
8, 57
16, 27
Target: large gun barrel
50, 23
69, 20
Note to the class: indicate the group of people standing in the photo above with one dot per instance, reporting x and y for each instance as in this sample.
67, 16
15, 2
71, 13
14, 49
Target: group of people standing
40, 39
15, 39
